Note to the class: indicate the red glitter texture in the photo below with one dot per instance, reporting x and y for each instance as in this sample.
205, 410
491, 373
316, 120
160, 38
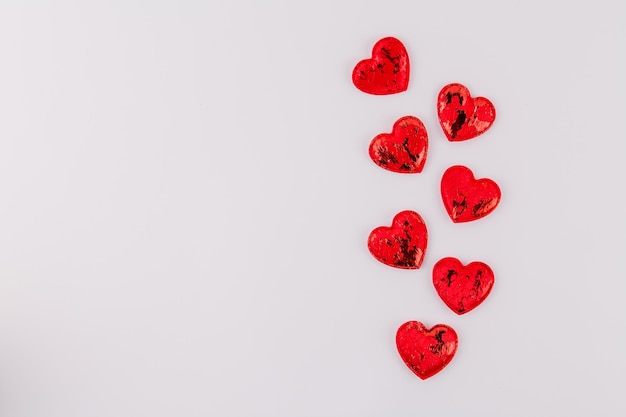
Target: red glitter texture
426, 351
404, 149
465, 198
386, 72
461, 116
462, 288
402, 245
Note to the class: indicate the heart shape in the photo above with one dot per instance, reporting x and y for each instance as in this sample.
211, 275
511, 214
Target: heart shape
404, 149
461, 287
426, 351
386, 72
465, 198
402, 245
461, 116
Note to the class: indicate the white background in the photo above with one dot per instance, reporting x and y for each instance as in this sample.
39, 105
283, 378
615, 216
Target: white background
186, 195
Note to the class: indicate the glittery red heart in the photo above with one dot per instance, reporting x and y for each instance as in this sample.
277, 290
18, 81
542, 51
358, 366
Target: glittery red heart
386, 72
462, 288
402, 245
461, 116
404, 149
465, 198
426, 351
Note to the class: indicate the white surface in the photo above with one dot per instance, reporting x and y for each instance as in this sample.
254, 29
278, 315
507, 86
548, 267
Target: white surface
186, 196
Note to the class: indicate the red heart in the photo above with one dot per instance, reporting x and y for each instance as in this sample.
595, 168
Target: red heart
386, 72
426, 351
461, 116
404, 149
465, 198
402, 245
462, 288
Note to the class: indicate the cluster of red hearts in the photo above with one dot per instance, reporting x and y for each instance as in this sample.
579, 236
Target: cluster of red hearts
462, 288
